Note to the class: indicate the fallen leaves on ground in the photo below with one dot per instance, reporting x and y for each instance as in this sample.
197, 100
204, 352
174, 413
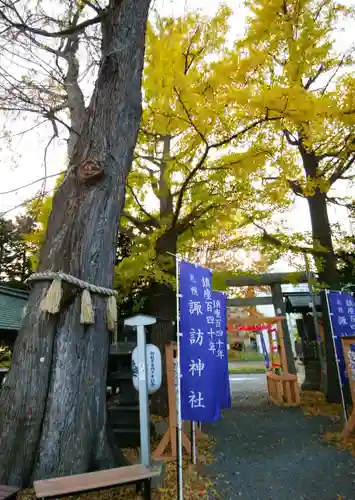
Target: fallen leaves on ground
196, 487
314, 404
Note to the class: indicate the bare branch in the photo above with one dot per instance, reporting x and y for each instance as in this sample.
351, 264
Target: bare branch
31, 183
340, 202
24, 28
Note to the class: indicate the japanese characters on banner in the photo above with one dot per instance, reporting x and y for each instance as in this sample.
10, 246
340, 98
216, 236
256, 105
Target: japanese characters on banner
202, 346
219, 345
342, 316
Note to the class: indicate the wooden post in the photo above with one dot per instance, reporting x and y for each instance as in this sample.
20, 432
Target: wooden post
169, 437
280, 310
349, 354
282, 350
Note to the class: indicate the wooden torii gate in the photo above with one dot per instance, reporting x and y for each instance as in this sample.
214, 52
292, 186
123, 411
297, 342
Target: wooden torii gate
274, 280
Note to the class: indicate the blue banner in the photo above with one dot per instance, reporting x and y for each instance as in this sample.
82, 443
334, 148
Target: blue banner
266, 354
200, 391
219, 345
342, 317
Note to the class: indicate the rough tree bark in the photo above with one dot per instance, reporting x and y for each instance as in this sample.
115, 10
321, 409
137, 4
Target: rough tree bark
321, 230
162, 302
326, 265
53, 419
163, 305
322, 236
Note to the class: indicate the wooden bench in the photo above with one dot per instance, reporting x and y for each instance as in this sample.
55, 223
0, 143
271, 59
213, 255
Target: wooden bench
8, 492
80, 483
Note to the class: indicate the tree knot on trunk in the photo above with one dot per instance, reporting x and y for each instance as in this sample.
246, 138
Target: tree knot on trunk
52, 300
90, 171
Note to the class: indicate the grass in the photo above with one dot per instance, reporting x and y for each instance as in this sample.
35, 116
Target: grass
247, 369
234, 355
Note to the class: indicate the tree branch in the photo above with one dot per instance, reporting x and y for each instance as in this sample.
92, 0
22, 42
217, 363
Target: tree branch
313, 78
273, 240
193, 216
295, 187
231, 138
339, 172
143, 226
290, 138
338, 201
31, 183
24, 28
151, 220
208, 147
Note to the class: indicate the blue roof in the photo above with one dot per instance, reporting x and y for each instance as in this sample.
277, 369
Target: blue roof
12, 303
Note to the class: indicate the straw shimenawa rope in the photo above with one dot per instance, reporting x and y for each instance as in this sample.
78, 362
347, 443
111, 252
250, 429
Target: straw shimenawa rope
51, 302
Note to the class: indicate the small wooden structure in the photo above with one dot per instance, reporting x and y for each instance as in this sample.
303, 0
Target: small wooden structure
8, 492
167, 447
349, 354
80, 483
282, 387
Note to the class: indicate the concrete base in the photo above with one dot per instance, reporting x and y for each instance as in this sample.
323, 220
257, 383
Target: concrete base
159, 480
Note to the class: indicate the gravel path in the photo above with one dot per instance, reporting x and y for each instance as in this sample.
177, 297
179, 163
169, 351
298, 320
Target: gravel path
267, 453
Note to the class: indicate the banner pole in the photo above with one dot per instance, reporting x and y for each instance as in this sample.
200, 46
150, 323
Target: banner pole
336, 358
193, 442
178, 399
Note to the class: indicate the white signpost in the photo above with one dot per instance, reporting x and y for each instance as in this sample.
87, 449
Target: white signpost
139, 322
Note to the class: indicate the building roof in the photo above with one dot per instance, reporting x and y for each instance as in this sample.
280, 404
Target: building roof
12, 302
300, 302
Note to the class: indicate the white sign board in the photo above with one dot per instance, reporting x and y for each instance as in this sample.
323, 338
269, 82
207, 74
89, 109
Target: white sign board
154, 369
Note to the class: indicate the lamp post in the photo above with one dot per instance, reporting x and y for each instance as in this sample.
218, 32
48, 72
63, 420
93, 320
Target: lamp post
140, 321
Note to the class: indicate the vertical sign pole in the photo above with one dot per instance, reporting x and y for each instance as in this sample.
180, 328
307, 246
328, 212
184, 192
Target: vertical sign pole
143, 397
178, 392
193, 442
337, 360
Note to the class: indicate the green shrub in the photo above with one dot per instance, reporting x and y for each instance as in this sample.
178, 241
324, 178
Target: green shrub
5, 356
234, 355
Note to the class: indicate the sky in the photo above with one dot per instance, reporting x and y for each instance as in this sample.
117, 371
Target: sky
26, 163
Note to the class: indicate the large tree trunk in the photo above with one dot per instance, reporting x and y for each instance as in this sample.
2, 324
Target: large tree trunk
163, 305
328, 274
322, 237
326, 264
53, 413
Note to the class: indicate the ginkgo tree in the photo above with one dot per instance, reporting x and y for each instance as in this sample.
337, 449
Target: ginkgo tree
299, 72
196, 170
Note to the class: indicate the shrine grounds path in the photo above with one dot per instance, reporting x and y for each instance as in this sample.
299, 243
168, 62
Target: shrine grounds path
266, 453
